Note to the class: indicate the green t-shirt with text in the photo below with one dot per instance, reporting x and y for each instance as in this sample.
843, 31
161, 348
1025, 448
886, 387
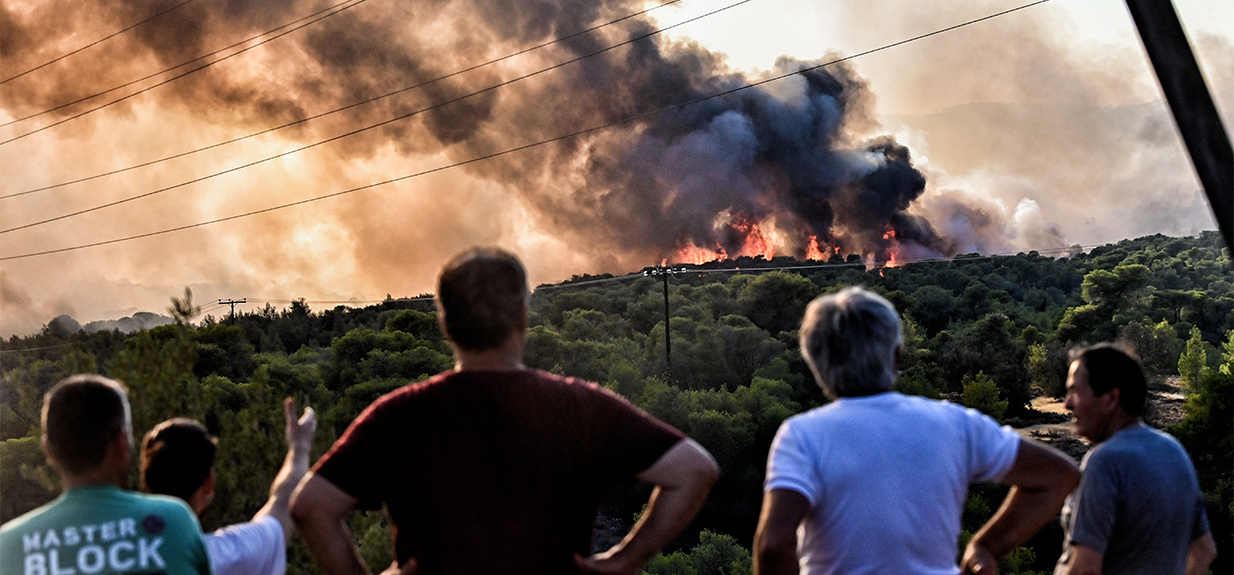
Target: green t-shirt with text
105, 530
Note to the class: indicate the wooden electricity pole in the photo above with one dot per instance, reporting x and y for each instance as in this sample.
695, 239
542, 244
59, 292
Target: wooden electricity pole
663, 272
232, 303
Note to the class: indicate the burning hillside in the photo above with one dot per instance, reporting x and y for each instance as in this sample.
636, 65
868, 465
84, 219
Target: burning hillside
794, 167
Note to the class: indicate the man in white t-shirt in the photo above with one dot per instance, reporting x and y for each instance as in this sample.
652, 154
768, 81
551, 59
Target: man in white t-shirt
177, 458
875, 481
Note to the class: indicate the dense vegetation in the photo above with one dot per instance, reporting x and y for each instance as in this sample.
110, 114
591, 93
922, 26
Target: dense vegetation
987, 331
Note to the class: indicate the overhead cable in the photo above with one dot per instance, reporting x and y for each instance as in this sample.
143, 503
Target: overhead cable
504, 152
383, 123
345, 5
347, 107
92, 44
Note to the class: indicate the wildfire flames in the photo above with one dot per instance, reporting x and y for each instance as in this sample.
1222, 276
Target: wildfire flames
756, 239
813, 252
697, 255
756, 243
890, 236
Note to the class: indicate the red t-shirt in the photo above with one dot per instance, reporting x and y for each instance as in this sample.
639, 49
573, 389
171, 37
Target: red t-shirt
494, 472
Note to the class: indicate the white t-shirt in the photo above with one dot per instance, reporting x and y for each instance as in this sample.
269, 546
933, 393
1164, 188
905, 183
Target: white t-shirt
254, 548
886, 477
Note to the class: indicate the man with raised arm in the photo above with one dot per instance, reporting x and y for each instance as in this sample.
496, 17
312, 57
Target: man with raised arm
875, 481
493, 467
96, 526
177, 458
1138, 509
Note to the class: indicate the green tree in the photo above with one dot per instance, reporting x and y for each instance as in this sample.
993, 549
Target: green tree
1193, 363
1039, 365
774, 301
157, 366
1207, 432
1157, 345
1106, 293
1227, 354
676, 563
981, 393
26, 480
720, 554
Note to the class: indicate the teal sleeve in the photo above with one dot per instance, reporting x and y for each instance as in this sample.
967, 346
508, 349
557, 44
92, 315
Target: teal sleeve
185, 547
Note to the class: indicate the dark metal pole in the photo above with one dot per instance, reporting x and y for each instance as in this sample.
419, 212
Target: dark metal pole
1192, 105
668, 337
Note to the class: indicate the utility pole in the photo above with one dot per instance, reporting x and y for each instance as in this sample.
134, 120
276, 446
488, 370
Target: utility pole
663, 272
232, 303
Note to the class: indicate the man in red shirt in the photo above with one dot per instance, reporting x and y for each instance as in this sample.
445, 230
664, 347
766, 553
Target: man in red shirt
493, 467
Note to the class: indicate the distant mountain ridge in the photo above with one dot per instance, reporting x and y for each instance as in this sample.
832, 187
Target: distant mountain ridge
63, 325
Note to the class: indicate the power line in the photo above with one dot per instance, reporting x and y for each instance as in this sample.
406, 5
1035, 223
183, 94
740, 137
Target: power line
586, 283
882, 264
339, 301
501, 153
370, 127
92, 44
349, 106
701, 271
353, 4
25, 349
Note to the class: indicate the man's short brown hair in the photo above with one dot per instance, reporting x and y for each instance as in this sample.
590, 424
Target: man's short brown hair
482, 298
82, 414
176, 458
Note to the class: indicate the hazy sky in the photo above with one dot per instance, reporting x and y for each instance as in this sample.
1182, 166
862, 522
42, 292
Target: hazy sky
1035, 130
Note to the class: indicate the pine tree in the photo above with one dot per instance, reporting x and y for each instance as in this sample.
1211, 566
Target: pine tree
1193, 363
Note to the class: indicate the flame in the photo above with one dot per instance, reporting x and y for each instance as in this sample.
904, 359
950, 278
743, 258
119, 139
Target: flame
814, 253
696, 255
894, 246
756, 243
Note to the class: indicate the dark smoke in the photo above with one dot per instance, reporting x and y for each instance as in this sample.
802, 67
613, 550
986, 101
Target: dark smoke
786, 156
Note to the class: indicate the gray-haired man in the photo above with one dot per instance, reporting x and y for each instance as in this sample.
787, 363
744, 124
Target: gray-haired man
877, 480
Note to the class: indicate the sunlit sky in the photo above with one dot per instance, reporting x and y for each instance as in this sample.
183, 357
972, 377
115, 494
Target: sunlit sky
1087, 29
1046, 125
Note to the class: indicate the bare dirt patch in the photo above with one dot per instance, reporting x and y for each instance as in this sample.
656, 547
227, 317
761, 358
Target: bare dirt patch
1050, 423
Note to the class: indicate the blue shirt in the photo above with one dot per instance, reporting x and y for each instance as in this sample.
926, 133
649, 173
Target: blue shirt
1139, 504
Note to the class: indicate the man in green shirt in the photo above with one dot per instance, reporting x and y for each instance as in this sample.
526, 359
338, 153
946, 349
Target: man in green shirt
95, 526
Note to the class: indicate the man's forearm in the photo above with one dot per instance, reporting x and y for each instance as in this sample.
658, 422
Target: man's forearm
1201, 554
668, 512
331, 545
683, 476
1024, 512
775, 539
295, 467
1041, 477
775, 558
319, 509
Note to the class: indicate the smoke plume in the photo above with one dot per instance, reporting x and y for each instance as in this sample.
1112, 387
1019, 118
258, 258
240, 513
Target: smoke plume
799, 166
777, 162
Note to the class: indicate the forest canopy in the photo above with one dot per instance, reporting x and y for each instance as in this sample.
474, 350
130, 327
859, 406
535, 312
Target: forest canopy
991, 332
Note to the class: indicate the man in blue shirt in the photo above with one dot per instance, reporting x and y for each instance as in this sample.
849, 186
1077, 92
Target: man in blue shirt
1138, 509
